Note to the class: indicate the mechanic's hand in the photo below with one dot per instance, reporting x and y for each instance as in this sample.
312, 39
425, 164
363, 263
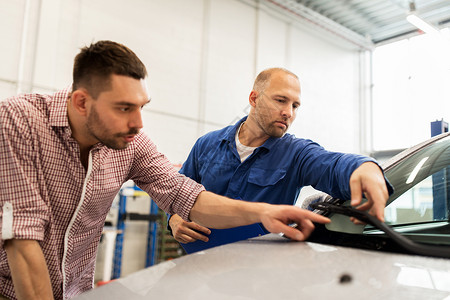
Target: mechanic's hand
187, 232
278, 217
368, 179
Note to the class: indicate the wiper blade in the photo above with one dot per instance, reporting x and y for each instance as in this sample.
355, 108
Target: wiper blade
411, 246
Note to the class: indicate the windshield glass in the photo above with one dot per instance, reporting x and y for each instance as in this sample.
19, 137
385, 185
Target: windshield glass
422, 186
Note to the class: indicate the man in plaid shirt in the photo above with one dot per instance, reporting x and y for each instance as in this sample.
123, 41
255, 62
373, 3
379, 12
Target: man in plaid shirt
64, 157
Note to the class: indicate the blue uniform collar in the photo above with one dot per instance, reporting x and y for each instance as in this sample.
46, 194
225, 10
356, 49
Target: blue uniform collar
229, 135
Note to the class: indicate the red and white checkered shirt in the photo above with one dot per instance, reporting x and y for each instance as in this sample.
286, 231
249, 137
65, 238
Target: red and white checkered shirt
48, 196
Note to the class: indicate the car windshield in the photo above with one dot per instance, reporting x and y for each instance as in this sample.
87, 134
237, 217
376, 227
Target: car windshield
417, 211
422, 186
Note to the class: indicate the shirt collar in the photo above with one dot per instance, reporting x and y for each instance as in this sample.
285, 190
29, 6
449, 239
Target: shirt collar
58, 108
58, 114
229, 135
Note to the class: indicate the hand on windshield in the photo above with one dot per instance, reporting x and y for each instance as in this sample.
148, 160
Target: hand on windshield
187, 232
368, 179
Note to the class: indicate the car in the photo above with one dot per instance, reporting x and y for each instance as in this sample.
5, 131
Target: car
418, 209
340, 260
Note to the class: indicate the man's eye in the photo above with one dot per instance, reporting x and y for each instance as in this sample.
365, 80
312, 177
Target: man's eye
124, 109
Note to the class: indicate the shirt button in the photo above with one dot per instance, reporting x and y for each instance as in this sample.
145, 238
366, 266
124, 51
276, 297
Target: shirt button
7, 206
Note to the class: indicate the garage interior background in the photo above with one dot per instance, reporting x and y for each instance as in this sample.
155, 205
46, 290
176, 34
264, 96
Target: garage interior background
361, 92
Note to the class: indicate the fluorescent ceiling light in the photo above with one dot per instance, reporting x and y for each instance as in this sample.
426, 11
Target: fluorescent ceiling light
416, 170
421, 24
418, 22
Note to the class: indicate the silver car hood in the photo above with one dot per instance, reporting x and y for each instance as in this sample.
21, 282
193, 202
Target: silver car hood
272, 267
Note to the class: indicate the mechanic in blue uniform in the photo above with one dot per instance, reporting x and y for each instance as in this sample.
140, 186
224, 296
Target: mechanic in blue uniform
256, 160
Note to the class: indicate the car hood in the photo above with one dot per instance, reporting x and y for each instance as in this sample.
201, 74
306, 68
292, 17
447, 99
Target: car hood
272, 267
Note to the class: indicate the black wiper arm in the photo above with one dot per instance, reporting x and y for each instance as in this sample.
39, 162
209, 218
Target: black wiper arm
411, 246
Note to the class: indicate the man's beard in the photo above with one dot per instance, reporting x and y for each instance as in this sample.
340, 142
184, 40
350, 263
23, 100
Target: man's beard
264, 117
99, 130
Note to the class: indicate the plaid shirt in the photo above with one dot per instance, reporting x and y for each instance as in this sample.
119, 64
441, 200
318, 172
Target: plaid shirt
48, 196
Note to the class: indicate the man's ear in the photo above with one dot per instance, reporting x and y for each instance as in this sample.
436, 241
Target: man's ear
79, 101
252, 98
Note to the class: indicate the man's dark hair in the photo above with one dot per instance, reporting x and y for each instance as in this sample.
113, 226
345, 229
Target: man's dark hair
95, 64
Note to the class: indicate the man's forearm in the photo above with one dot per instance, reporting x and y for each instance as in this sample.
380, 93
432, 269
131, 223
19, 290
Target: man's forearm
28, 269
219, 212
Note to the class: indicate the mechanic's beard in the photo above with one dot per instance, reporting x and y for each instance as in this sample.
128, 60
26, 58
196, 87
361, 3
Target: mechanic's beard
264, 117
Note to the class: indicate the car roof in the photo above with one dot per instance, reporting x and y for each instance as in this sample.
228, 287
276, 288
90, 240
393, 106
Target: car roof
410, 151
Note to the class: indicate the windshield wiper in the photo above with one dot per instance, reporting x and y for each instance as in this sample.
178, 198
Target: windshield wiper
407, 244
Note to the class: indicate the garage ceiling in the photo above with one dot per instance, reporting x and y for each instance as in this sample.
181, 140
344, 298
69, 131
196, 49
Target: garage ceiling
380, 20
367, 23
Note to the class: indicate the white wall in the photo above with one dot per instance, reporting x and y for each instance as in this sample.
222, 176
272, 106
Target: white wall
202, 57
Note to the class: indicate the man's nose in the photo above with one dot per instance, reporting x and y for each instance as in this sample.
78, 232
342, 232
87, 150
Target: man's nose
287, 111
136, 120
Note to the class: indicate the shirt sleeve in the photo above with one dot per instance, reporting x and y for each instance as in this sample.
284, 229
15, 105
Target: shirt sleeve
152, 171
328, 171
23, 212
188, 169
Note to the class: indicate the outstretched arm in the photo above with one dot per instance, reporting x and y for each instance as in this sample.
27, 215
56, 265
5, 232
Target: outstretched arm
368, 179
216, 211
28, 269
